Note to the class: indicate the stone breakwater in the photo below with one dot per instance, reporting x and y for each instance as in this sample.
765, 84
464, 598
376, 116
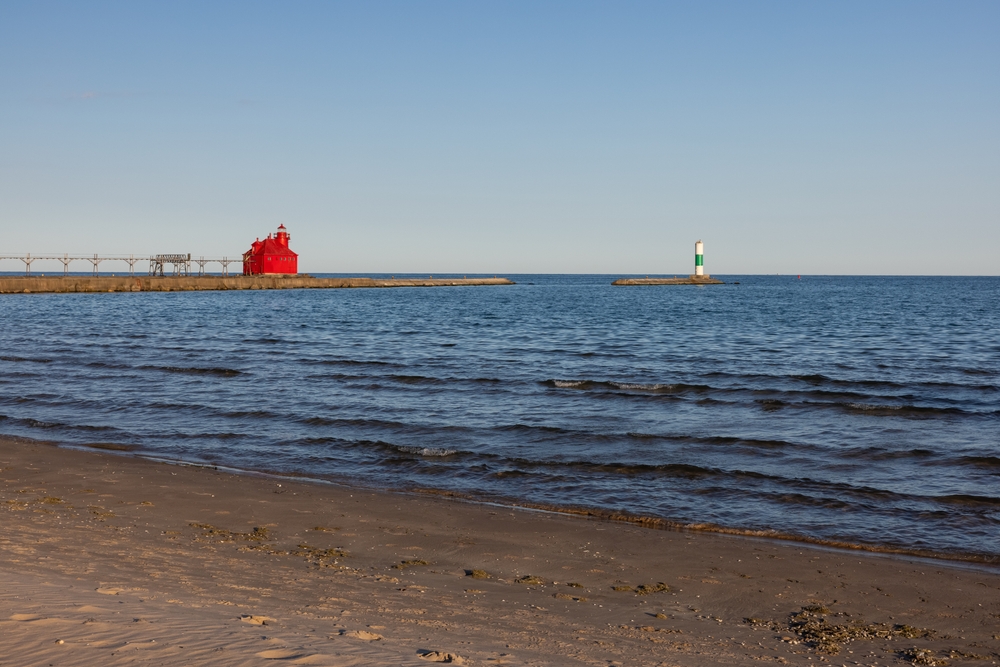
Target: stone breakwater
687, 280
63, 284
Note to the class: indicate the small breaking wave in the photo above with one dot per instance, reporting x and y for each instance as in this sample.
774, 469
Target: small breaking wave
569, 384
635, 386
654, 388
873, 407
426, 451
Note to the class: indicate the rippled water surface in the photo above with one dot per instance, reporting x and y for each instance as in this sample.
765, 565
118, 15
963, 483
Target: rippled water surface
853, 409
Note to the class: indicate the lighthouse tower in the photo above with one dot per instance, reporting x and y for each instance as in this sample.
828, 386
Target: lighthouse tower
699, 258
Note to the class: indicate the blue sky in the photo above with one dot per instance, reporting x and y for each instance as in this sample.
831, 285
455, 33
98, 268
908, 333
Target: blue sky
508, 137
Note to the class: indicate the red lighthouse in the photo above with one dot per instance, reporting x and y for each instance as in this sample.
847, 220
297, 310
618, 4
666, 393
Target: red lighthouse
272, 255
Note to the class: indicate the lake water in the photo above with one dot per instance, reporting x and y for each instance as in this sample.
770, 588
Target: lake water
847, 409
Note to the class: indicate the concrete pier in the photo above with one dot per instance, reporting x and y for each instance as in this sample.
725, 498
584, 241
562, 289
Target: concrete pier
687, 280
64, 284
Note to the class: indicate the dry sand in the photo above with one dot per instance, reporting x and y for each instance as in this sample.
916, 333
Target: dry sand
111, 560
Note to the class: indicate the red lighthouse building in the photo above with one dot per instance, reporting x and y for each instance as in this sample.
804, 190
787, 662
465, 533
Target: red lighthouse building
272, 255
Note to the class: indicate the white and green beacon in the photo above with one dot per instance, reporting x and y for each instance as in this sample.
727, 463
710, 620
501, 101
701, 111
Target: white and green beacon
699, 258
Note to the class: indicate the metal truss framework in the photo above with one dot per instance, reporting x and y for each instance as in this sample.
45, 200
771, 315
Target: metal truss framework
181, 263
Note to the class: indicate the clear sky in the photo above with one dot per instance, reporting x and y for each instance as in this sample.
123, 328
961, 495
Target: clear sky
508, 137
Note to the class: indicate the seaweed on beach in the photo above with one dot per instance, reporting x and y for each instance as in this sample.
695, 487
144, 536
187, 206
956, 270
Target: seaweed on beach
100, 512
403, 564
922, 656
815, 628
643, 589
258, 534
314, 555
647, 589
573, 598
320, 557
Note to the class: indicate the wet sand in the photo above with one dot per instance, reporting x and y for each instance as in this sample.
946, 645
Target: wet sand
111, 560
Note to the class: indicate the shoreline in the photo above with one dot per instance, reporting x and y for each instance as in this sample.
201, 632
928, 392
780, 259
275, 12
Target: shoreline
224, 568
596, 513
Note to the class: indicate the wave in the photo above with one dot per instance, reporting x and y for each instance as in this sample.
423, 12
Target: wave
194, 370
403, 379
724, 441
110, 446
415, 379
908, 410
104, 364
200, 436
984, 461
26, 359
365, 423
38, 423
851, 402
802, 499
783, 489
391, 449
970, 500
656, 388
883, 454
426, 451
978, 371
253, 414
351, 362
541, 431
537, 428
669, 469
819, 380
337, 376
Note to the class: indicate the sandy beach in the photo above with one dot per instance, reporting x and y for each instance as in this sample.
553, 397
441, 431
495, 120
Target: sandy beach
113, 560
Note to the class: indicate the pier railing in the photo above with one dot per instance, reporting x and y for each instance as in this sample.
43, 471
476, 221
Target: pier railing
180, 263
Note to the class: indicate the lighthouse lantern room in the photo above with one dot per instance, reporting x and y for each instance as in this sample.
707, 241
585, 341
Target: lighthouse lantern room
272, 255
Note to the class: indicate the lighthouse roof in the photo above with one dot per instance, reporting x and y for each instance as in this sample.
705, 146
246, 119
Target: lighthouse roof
270, 246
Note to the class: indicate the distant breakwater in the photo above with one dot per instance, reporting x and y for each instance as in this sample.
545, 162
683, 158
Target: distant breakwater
64, 284
687, 280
